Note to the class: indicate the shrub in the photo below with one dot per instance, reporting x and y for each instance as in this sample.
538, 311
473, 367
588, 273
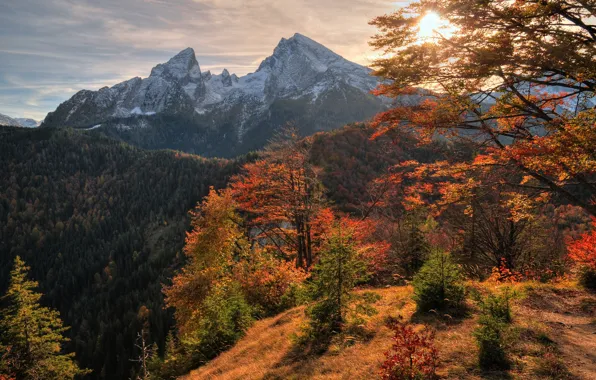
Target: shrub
412, 356
550, 366
494, 320
498, 306
489, 337
439, 284
583, 252
268, 283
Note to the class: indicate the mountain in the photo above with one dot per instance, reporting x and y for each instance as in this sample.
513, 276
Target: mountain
28, 123
178, 106
7, 121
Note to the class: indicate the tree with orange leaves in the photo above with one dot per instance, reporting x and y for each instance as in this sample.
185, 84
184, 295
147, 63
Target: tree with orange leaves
516, 79
284, 198
211, 248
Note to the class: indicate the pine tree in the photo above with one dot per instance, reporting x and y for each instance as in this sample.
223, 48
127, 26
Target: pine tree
32, 335
155, 362
417, 247
340, 268
172, 357
439, 284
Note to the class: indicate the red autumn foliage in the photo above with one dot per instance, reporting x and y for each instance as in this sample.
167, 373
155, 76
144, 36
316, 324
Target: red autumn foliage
539, 140
504, 274
284, 200
412, 356
372, 250
266, 279
583, 250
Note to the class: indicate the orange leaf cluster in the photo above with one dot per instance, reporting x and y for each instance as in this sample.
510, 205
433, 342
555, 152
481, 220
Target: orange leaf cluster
583, 250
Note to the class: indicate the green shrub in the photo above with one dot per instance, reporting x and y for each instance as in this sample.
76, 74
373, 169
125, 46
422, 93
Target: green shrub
489, 337
439, 284
498, 306
494, 320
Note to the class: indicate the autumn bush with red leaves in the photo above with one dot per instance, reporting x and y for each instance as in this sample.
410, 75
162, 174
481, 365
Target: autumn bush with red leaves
413, 354
267, 281
583, 250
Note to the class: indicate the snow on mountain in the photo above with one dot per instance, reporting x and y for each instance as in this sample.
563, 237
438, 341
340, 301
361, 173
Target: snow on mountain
7, 121
298, 67
28, 123
18, 122
305, 75
299, 64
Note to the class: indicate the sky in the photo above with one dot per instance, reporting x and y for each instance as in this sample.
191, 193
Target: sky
50, 49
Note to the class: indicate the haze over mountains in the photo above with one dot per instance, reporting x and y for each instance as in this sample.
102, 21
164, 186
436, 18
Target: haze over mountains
7, 121
180, 107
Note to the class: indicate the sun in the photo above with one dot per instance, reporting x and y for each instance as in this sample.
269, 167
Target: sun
429, 24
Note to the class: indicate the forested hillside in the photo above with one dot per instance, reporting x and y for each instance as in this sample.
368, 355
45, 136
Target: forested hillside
350, 161
101, 224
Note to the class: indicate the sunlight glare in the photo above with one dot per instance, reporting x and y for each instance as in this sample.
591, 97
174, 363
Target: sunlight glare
430, 23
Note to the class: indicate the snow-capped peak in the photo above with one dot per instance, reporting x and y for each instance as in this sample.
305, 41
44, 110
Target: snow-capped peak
300, 65
228, 80
27, 122
303, 48
298, 68
180, 66
8, 121
17, 122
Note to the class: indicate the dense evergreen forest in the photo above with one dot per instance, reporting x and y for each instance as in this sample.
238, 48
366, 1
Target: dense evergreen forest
101, 224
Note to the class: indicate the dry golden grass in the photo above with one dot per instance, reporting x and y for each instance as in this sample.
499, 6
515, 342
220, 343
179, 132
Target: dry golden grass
556, 319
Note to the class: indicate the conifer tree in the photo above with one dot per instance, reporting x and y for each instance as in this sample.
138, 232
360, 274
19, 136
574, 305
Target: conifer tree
439, 284
31, 335
340, 268
172, 357
417, 247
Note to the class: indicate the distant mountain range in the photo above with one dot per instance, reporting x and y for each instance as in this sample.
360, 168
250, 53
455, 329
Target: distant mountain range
180, 107
7, 121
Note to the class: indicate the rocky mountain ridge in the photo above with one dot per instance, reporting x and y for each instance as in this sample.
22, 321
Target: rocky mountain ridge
178, 106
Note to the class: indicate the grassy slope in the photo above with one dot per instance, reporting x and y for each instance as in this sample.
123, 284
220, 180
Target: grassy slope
548, 318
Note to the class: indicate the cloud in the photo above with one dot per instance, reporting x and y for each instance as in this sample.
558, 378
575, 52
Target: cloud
49, 49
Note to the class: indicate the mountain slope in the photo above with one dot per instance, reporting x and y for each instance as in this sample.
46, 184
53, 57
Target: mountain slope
180, 107
551, 319
101, 224
7, 121
28, 123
